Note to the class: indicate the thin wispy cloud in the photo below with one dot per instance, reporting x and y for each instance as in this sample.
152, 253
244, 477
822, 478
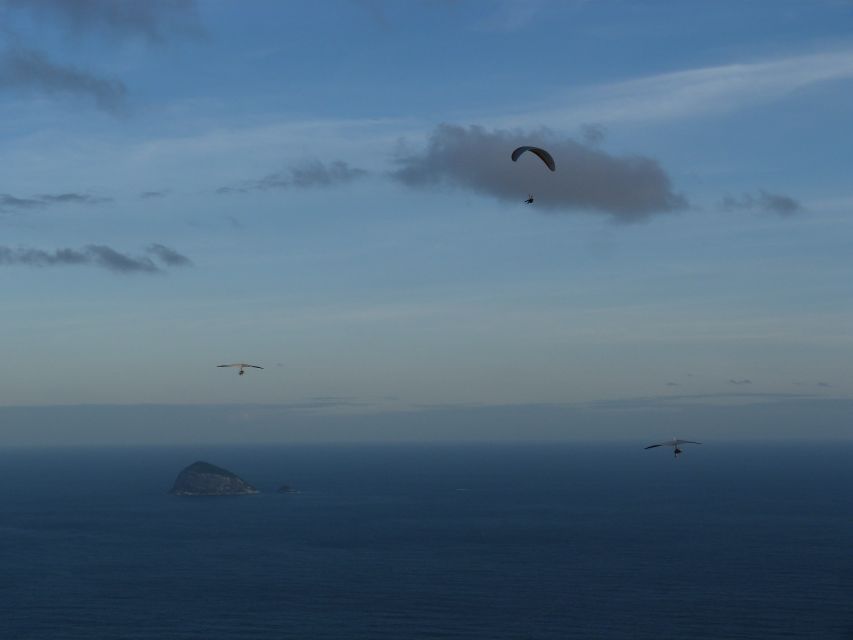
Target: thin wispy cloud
593, 133
376, 11
224, 191
741, 382
307, 175
694, 92
628, 188
168, 256
508, 16
152, 20
30, 70
9, 202
74, 198
763, 201
93, 255
317, 174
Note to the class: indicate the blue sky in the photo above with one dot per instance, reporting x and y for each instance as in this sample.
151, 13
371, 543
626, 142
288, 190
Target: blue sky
326, 190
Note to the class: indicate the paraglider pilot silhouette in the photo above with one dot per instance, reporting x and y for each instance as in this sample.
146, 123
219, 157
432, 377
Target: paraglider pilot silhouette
543, 155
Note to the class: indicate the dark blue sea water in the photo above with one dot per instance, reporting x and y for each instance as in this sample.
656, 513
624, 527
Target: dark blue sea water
430, 541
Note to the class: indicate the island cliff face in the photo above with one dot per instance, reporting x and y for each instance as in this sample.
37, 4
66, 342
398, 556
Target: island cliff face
205, 479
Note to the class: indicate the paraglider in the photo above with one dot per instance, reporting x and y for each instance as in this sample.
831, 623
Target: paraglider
241, 365
674, 444
543, 155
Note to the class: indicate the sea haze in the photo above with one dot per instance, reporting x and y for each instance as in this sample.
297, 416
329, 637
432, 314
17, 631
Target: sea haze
431, 541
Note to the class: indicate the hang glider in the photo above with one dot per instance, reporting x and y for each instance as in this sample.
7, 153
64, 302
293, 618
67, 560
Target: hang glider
674, 443
242, 366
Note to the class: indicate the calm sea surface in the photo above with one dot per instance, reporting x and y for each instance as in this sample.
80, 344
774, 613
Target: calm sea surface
430, 541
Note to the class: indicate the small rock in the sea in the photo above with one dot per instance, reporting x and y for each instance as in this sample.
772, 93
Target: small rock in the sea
286, 488
205, 479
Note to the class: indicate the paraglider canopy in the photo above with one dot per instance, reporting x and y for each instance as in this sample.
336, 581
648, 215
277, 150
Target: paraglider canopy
544, 155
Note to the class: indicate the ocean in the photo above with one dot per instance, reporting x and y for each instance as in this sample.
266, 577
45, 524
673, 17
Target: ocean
430, 541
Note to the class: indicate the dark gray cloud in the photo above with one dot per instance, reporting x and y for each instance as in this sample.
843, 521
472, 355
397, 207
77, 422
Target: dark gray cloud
111, 259
149, 195
93, 255
740, 382
629, 188
825, 385
672, 384
10, 203
764, 202
306, 175
26, 69
152, 20
77, 198
168, 256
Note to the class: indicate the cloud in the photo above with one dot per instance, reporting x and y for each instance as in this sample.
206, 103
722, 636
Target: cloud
669, 402
224, 191
152, 20
77, 198
825, 385
111, 259
695, 92
508, 16
93, 255
376, 11
765, 201
9, 202
306, 175
149, 195
316, 174
740, 382
31, 70
672, 384
629, 188
593, 134
168, 256
769, 417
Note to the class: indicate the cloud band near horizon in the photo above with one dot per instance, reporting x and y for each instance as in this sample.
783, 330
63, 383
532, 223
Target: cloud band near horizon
94, 255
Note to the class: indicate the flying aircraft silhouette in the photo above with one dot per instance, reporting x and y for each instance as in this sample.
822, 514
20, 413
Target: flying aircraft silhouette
242, 365
674, 444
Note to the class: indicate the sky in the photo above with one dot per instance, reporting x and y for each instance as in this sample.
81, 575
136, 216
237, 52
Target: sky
326, 190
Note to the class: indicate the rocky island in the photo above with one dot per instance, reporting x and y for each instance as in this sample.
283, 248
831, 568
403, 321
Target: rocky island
205, 479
